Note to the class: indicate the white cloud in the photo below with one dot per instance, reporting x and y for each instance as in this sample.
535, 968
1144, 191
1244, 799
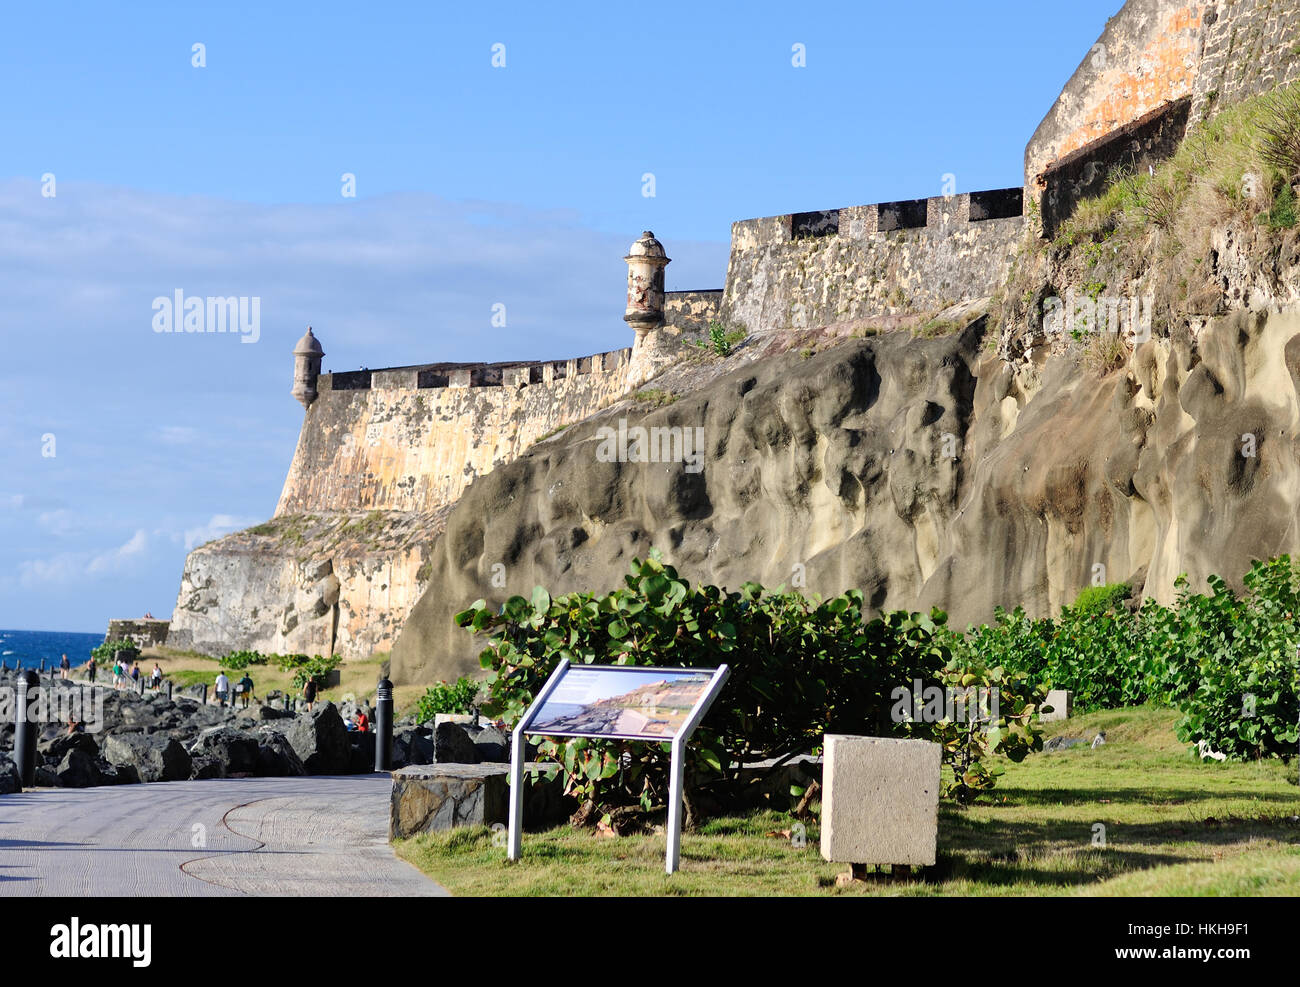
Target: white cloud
71, 567
220, 524
113, 560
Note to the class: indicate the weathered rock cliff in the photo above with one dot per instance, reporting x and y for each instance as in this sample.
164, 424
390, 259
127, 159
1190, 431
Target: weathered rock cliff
922, 471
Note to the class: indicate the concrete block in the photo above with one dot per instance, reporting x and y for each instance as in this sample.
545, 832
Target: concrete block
1062, 703
880, 800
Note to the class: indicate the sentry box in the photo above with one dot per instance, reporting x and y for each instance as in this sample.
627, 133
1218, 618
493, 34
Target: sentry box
618, 702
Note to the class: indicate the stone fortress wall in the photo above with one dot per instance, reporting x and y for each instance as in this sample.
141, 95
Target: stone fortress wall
861, 262
1159, 67
412, 438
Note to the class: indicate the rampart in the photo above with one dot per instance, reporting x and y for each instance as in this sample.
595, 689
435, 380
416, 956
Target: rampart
412, 438
146, 633
1247, 48
816, 268
1158, 68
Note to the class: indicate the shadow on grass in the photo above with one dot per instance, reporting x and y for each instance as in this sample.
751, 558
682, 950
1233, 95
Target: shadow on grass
1136, 796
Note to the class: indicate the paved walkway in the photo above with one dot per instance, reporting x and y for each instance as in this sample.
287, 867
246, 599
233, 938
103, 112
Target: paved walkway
323, 837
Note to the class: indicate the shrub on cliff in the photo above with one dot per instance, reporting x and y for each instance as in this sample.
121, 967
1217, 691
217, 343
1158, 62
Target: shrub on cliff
800, 668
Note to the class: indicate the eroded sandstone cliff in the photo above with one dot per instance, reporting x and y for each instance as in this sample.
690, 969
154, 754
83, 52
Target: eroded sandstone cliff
922, 471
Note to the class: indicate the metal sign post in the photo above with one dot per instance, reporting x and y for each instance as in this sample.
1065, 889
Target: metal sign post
707, 692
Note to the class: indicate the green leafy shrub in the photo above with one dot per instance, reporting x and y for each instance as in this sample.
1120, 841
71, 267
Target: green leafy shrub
1008, 725
721, 339
1227, 662
315, 667
443, 698
237, 661
109, 649
800, 668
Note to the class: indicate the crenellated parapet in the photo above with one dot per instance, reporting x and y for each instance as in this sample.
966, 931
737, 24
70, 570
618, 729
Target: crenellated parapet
412, 438
800, 270
430, 376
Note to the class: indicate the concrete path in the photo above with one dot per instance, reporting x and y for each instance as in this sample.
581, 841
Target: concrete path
323, 837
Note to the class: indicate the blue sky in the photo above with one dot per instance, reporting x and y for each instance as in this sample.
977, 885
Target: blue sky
474, 185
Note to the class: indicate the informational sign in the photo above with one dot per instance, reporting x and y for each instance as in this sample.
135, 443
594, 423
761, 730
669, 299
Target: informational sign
617, 702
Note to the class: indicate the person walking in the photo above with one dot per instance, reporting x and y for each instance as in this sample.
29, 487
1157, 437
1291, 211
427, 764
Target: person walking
135, 676
309, 692
246, 689
155, 679
223, 688
65, 668
117, 673
91, 667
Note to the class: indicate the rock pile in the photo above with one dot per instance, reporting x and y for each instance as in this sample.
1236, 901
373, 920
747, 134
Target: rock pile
151, 738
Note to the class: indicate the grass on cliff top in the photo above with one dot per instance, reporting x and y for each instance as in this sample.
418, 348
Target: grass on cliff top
1173, 826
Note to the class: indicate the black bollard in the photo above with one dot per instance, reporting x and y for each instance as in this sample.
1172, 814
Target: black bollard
169, 690
42, 664
205, 693
384, 725
25, 729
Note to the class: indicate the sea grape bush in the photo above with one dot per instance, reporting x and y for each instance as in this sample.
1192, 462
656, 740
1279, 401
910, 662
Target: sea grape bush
1228, 662
441, 697
237, 661
967, 741
800, 668
109, 649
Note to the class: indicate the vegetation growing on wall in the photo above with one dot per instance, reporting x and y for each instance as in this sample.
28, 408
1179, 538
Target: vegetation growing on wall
1152, 230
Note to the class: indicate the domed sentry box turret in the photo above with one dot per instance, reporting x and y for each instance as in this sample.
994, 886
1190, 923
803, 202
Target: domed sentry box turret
646, 261
306, 368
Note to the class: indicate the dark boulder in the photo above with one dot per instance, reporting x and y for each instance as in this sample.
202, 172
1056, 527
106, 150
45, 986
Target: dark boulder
153, 757
204, 766
452, 745
276, 757
235, 750
56, 750
112, 774
78, 769
10, 782
363, 752
412, 745
320, 740
492, 743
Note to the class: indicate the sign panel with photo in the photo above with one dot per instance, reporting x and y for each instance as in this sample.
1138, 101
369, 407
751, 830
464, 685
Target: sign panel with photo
615, 701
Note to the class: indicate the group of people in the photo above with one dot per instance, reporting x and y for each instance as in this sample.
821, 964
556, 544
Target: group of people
128, 674
243, 689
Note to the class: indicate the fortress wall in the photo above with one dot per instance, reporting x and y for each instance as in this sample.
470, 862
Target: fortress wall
691, 311
1087, 172
808, 269
412, 438
1148, 55
1249, 46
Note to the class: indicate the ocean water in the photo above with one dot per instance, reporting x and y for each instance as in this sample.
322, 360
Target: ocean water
26, 648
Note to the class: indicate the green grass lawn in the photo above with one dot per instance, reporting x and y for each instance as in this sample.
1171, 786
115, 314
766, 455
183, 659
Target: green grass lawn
1173, 826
